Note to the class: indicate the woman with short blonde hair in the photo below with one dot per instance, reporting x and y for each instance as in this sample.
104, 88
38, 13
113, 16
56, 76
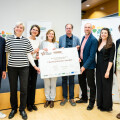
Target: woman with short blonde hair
19, 49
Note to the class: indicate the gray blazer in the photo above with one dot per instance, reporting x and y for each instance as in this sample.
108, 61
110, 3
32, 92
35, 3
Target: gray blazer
62, 41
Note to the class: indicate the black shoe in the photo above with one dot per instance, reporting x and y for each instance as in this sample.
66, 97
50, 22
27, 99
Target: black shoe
107, 110
34, 107
23, 114
102, 109
89, 107
81, 101
12, 113
99, 108
29, 108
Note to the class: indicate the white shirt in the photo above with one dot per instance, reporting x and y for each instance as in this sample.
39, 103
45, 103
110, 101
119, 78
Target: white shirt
48, 45
35, 44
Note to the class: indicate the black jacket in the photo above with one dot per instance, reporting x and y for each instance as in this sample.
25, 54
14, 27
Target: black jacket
2, 55
108, 54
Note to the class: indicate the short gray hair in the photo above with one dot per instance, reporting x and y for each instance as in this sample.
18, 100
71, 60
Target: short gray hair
89, 24
69, 24
20, 23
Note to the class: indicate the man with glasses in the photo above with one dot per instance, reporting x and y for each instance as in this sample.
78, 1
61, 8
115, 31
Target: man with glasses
67, 41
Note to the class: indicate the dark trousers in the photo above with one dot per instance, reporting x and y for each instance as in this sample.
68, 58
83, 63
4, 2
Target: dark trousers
71, 86
89, 74
13, 74
0, 77
32, 85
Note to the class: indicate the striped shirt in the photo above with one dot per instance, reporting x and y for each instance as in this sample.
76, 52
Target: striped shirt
18, 49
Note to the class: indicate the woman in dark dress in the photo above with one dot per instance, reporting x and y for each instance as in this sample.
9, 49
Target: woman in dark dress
104, 70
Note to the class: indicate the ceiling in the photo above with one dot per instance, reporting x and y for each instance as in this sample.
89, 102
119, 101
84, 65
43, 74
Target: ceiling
92, 3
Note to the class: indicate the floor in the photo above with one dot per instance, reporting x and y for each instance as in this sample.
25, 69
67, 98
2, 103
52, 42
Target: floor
67, 112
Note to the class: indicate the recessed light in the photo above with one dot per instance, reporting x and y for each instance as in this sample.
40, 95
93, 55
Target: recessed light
87, 5
102, 8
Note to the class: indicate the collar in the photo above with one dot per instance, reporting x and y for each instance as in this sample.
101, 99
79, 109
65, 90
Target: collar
86, 37
16, 36
69, 37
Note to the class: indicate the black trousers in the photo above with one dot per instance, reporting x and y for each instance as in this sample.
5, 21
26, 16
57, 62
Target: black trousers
13, 74
32, 79
89, 74
0, 77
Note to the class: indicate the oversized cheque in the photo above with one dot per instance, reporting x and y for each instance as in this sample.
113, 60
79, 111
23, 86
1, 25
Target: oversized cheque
59, 62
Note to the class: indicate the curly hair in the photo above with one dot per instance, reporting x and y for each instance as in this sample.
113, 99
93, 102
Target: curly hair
109, 39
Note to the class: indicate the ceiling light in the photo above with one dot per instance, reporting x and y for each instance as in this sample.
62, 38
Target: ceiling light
87, 5
102, 8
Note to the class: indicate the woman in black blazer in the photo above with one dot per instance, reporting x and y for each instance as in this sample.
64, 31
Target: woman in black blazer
104, 70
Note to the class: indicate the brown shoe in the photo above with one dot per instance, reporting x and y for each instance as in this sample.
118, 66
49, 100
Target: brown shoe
47, 104
118, 116
51, 104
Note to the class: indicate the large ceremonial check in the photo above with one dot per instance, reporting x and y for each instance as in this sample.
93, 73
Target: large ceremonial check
59, 62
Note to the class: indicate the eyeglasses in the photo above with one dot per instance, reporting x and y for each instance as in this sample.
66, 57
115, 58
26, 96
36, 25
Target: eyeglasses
35, 30
68, 28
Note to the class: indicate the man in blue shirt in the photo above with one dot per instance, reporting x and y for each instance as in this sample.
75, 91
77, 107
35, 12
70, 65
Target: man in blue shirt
67, 41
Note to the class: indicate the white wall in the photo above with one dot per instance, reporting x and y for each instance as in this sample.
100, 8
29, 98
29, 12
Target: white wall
59, 12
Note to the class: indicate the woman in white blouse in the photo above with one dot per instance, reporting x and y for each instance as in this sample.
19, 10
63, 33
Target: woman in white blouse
32, 79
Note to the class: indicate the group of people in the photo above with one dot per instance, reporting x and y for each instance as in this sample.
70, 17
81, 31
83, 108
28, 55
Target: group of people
23, 55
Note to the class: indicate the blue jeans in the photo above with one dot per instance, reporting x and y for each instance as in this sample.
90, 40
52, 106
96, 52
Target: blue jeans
71, 86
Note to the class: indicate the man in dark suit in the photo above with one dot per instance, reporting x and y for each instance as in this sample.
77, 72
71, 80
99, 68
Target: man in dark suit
2, 65
2, 59
88, 50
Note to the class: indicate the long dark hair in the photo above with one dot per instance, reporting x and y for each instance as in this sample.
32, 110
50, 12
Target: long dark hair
109, 39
